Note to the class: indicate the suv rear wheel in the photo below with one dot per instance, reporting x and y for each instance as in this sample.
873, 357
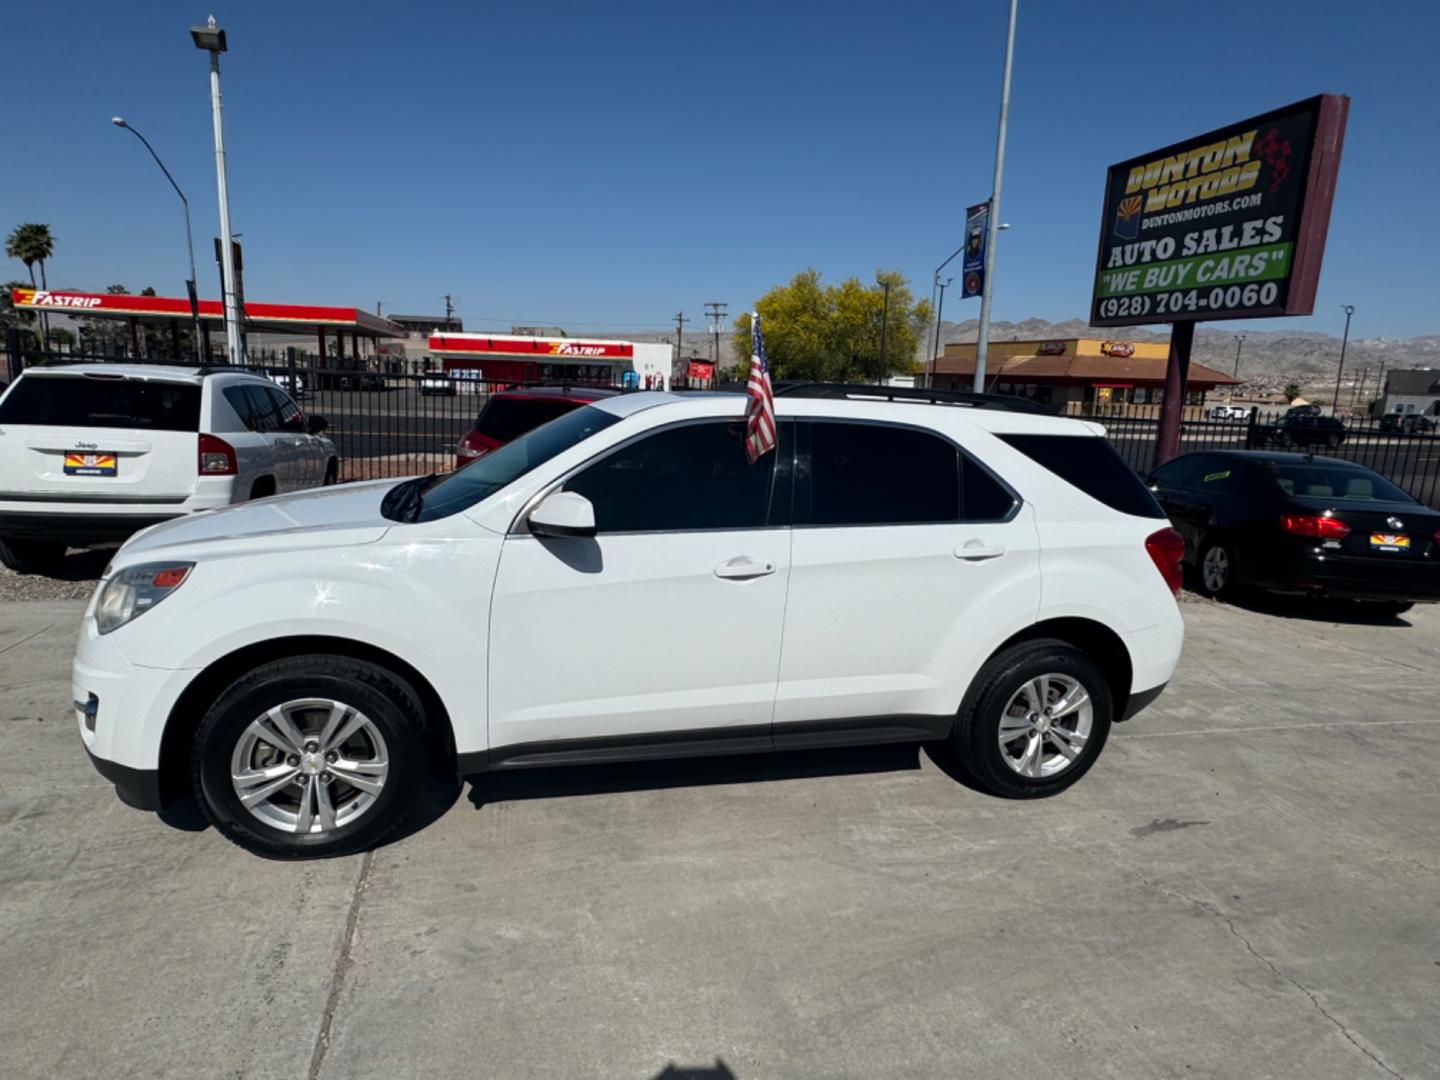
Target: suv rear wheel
32, 556
1034, 720
311, 756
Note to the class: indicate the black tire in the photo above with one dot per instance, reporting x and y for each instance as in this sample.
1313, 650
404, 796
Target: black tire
1224, 557
332, 473
32, 556
977, 727
389, 703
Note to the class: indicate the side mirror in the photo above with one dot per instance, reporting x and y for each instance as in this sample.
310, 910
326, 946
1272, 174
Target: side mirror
316, 424
564, 513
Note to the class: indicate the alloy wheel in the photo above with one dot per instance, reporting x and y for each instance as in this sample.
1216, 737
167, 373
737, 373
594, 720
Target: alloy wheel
310, 765
1046, 726
1215, 569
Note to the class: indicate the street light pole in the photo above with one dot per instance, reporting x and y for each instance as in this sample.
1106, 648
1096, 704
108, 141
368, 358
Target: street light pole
939, 309
119, 121
987, 289
884, 326
934, 288
1349, 310
1239, 340
212, 40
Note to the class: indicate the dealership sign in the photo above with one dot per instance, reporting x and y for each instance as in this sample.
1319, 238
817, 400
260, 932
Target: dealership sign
1229, 225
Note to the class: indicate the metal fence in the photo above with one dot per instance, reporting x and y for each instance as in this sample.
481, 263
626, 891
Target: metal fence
1410, 459
394, 423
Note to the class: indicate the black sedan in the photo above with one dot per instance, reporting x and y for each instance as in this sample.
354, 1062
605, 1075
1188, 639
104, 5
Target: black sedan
1297, 523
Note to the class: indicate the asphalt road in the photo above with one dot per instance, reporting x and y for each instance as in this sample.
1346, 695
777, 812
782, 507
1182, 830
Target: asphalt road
367, 424
1244, 886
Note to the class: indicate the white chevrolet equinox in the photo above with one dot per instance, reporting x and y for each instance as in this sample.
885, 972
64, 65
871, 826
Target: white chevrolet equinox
621, 584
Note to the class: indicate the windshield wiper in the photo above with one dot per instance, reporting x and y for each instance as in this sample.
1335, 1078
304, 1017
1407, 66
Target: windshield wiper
405, 500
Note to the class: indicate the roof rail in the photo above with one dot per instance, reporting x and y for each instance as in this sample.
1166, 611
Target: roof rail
865, 392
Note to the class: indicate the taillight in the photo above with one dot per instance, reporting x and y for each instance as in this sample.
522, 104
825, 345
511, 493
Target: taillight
217, 457
1167, 548
1319, 526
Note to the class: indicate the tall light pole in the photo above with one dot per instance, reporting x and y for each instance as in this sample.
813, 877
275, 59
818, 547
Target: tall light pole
212, 40
1349, 310
1239, 340
987, 290
939, 309
119, 121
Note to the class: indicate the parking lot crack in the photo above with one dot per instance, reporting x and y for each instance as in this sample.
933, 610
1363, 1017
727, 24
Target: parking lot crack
26, 638
343, 964
1215, 911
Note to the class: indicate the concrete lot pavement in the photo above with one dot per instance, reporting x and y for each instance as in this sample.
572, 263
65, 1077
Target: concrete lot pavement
1246, 885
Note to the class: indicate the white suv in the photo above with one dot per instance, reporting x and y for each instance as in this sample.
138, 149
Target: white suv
620, 584
89, 453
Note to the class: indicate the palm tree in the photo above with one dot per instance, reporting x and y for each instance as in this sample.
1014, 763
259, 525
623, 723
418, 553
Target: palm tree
32, 243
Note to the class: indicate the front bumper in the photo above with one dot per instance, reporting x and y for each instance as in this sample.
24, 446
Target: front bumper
131, 704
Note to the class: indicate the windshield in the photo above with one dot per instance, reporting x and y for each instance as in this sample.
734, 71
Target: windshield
1336, 482
99, 402
506, 418
486, 475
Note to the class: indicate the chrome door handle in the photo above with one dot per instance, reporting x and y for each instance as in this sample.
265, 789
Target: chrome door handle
743, 568
978, 551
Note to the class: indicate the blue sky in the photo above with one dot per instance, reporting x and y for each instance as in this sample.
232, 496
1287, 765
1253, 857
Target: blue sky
600, 166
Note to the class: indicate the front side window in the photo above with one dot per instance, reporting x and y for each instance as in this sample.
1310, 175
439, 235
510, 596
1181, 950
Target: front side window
876, 474
682, 479
498, 469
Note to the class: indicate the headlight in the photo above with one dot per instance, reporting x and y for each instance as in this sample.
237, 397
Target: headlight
135, 590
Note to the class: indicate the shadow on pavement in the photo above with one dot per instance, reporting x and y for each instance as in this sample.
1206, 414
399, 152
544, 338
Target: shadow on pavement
1317, 609
609, 779
719, 1071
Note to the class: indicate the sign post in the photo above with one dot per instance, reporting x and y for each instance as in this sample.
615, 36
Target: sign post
1228, 225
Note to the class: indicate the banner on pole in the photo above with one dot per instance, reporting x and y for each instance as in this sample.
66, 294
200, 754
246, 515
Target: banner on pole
977, 233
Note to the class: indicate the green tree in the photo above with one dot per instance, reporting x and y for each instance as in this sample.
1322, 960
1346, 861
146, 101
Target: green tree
837, 333
1292, 391
33, 243
19, 318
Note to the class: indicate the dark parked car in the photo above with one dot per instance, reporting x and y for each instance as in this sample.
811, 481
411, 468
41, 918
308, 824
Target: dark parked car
1407, 423
1299, 524
1302, 428
511, 413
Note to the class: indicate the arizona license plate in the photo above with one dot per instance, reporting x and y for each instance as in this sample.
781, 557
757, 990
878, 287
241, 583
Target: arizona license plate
1389, 542
90, 465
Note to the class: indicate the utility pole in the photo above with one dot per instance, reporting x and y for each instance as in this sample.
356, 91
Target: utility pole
884, 326
680, 322
715, 309
987, 290
1239, 340
449, 312
1359, 392
1349, 310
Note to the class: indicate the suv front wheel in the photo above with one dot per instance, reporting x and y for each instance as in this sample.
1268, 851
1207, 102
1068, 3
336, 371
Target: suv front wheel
32, 556
1034, 720
311, 756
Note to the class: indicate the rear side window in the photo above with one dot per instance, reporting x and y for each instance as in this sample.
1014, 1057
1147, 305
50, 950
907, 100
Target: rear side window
86, 402
507, 418
874, 474
1091, 464
240, 402
264, 413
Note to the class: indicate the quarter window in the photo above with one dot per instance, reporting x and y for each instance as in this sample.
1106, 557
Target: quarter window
685, 478
876, 474
240, 401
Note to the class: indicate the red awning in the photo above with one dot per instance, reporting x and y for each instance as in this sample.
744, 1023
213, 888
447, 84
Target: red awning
274, 317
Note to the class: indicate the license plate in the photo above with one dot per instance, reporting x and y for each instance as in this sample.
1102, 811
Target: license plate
1389, 542
90, 465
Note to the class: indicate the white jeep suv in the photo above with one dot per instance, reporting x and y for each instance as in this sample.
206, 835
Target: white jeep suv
89, 453
620, 584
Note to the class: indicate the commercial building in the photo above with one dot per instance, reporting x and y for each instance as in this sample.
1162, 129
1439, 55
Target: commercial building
1075, 374
529, 358
1413, 391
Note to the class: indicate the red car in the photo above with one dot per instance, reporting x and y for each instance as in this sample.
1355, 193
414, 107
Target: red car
511, 413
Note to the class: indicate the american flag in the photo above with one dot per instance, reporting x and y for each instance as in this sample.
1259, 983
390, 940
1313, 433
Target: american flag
760, 413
